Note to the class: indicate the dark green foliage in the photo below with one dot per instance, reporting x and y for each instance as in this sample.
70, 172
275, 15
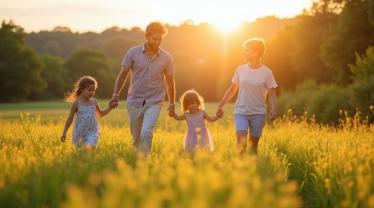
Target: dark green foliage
55, 75
363, 85
20, 69
353, 33
87, 62
324, 102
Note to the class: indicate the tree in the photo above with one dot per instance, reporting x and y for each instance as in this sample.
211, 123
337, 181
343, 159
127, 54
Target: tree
55, 75
278, 57
58, 42
327, 6
52, 47
353, 33
62, 29
116, 47
363, 85
92, 63
20, 69
306, 59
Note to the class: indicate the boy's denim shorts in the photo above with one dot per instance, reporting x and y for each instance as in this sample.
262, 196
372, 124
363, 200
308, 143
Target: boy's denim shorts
253, 123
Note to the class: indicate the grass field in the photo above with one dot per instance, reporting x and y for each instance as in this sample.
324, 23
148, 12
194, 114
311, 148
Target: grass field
57, 111
300, 164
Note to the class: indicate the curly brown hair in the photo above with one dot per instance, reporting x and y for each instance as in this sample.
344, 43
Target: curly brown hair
191, 96
82, 83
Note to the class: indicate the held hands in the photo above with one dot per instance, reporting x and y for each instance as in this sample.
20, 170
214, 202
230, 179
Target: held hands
272, 115
63, 138
111, 107
113, 102
171, 110
219, 115
219, 112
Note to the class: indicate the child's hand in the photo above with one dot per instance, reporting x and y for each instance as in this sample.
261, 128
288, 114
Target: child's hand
219, 115
113, 103
273, 114
63, 138
219, 112
171, 110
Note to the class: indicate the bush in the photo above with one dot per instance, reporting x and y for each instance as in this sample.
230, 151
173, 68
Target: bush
327, 101
363, 86
298, 99
322, 101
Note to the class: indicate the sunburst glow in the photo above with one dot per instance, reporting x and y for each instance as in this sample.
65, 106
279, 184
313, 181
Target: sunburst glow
226, 26
226, 15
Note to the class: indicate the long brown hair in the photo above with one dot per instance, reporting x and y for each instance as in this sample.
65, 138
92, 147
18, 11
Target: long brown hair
82, 83
191, 96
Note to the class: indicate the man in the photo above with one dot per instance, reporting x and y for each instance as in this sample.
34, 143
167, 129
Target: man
149, 67
254, 81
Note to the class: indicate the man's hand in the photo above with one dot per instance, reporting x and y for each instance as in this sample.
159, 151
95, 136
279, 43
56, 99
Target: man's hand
171, 110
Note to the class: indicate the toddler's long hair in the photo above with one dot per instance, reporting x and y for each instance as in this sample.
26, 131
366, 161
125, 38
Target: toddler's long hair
191, 96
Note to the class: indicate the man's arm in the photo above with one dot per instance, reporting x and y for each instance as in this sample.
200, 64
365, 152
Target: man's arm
272, 100
171, 93
120, 81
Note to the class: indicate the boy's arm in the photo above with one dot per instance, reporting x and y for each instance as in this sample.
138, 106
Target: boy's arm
272, 100
231, 91
69, 120
210, 118
101, 112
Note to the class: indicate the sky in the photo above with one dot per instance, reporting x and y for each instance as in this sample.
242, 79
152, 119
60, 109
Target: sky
97, 15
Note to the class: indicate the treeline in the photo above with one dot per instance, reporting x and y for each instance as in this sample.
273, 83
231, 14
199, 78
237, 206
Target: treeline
330, 58
205, 58
326, 44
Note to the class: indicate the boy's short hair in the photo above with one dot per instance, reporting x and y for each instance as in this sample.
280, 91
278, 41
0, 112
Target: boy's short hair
155, 27
256, 44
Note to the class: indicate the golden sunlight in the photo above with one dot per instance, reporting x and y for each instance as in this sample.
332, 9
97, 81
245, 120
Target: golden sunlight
226, 15
226, 26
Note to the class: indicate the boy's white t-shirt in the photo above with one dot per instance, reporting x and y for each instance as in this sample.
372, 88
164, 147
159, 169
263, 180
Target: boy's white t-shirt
253, 88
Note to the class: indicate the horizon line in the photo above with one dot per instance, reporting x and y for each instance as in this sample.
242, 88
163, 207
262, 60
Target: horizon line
131, 27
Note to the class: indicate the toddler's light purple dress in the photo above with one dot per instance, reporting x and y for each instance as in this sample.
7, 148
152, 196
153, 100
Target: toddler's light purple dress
197, 134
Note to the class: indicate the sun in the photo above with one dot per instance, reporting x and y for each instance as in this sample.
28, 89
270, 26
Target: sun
226, 25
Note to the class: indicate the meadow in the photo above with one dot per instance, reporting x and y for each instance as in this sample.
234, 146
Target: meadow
300, 164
